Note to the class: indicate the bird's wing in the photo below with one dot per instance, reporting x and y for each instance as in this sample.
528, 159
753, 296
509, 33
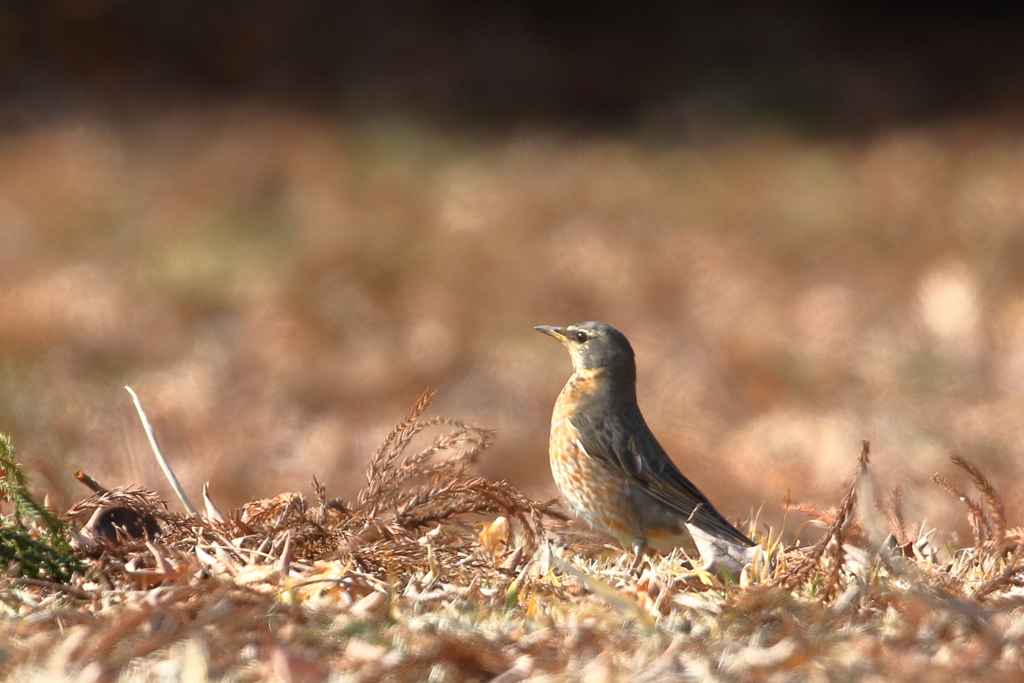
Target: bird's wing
627, 445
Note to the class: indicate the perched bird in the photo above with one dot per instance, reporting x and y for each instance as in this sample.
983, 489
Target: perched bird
606, 462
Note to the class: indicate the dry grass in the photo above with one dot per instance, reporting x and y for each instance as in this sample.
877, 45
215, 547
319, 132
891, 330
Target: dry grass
431, 573
381, 532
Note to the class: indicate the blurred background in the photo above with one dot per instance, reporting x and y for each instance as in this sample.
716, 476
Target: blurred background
281, 222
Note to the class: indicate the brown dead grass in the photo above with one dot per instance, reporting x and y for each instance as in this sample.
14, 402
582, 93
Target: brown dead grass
434, 573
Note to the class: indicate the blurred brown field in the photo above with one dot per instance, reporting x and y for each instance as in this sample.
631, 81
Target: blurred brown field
280, 287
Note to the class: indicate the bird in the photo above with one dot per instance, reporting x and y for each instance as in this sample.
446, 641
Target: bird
606, 462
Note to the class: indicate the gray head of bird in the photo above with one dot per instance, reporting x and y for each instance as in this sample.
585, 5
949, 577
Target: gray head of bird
593, 345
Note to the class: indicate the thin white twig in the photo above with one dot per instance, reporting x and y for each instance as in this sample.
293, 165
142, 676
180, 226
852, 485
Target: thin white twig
160, 456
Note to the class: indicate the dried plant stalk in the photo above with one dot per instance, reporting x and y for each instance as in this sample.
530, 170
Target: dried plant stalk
803, 570
976, 517
996, 519
893, 513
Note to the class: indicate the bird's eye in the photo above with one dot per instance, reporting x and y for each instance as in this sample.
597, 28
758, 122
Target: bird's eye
582, 337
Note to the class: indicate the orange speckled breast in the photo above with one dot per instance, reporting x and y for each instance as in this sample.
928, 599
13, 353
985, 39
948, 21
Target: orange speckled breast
594, 492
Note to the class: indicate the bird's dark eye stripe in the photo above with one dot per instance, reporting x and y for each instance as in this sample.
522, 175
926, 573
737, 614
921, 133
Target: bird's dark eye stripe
581, 337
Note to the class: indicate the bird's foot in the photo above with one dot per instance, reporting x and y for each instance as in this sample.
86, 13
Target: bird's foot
639, 555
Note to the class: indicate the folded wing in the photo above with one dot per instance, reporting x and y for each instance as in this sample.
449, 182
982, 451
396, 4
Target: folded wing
625, 443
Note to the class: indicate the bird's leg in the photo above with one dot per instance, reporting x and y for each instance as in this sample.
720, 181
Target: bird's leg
639, 546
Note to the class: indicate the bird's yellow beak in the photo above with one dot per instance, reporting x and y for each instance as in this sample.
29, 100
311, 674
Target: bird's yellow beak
556, 332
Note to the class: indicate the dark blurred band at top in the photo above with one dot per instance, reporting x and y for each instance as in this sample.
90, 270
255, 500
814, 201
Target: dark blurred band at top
681, 69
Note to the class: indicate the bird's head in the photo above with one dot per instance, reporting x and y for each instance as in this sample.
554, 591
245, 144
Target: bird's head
593, 345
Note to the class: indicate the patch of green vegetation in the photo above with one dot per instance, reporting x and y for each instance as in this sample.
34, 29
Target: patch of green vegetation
40, 550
